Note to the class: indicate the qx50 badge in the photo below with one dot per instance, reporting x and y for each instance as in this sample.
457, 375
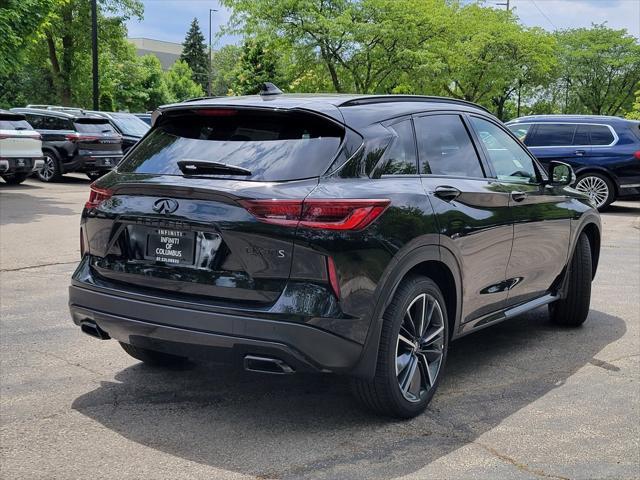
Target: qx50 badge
165, 205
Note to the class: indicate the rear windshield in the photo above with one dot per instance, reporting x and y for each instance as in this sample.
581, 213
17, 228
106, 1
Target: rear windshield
131, 125
273, 146
94, 127
6, 124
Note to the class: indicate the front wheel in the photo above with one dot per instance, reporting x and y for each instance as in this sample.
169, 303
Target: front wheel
153, 357
412, 353
598, 187
51, 170
572, 310
15, 179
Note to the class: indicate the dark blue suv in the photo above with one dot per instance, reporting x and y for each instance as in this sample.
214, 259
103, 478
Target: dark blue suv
603, 151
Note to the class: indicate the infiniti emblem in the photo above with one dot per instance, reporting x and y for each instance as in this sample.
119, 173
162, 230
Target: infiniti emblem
165, 205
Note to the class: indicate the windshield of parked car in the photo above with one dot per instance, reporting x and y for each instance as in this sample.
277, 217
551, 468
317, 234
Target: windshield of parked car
272, 146
130, 125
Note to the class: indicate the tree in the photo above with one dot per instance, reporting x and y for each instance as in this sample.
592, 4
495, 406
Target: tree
223, 64
179, 81
153, 83
257, 64
634, 113
106, 102
194, 53
601, 67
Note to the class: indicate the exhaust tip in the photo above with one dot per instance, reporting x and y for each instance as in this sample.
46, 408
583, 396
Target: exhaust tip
253, 363
92, 329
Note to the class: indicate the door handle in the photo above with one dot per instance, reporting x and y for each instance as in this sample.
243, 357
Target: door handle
518, 196
580, 153
446, 193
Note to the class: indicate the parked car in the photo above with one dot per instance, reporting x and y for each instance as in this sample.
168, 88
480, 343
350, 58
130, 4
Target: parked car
129, 126
349, 234
603, 151
20, 148
73, 141
145, 117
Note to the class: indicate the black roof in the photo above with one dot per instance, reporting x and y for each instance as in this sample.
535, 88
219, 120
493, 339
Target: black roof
8, 114
357, 110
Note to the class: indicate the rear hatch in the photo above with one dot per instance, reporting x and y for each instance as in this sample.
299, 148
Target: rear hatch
96, 137
18, 140
185, 212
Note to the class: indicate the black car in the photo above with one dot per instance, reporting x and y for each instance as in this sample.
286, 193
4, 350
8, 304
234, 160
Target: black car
73, 141
129, 126
145, 117
604, 151
357, 235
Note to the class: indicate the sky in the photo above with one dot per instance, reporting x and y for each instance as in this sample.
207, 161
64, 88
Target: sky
169, 20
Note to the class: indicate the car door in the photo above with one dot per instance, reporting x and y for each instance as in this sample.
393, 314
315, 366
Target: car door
472, 210
540, 213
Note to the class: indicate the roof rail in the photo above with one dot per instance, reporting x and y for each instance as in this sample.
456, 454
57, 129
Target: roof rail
195, 99
369, 99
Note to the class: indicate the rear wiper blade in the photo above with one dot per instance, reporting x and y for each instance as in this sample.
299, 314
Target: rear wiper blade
199, 167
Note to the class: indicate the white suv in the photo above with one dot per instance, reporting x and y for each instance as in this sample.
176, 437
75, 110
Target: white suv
20, 148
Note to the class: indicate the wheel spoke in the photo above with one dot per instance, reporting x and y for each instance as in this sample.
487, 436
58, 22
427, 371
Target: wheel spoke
425, 365
404, 339
407, 375
433, 336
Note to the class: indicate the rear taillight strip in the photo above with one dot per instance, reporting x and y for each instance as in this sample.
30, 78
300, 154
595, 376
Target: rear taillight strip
328, 214
97, 195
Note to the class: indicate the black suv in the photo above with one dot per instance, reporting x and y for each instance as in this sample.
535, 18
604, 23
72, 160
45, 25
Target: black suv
349, 234
73, 141
130, 127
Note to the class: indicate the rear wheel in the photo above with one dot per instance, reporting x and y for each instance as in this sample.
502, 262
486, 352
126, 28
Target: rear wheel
15, 179
599, 188
572, 310
153, 357
412, 353
51, 170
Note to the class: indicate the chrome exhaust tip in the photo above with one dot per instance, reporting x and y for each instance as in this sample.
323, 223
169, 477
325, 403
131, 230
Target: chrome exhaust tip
253, 363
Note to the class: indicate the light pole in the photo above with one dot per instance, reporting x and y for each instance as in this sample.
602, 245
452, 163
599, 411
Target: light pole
211, 10
94, 48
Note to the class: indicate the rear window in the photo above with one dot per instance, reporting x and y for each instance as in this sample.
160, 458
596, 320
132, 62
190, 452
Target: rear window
552, 135
273, 146
601, 135
14, 124
93, 127
131, 125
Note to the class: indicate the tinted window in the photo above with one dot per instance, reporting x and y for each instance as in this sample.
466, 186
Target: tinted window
553, 135
509, 160
130, 125
400, 156
14, 124
581, 137
601, 135
271, 145
56, 123
36, 121
445, 147
94, 127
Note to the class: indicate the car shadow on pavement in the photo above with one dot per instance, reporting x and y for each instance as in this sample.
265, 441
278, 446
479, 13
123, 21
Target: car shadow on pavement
307, 426
31, 207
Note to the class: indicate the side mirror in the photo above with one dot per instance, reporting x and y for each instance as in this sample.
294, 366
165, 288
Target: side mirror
561, 174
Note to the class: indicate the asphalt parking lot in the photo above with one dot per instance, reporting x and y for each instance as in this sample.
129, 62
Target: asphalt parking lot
520, 400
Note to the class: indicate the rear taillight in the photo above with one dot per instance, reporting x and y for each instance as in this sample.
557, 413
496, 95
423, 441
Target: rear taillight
216, 112
76, 137
328, 214
333, 277
97, 196
637, 155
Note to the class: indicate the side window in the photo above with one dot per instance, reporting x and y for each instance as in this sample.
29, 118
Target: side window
35, 120
581, 137
601, 135
400, 156
445, 147
553, 135
55, 123
521, 130
509, 160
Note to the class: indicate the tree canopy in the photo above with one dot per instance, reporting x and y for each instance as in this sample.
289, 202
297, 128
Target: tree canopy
194, 53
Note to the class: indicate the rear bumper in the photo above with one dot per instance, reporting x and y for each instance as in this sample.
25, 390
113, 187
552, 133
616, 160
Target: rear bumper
226, 338
22, 165
94, 163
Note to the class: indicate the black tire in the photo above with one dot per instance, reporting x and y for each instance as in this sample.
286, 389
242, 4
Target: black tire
383, 394
51, 171
572, 310
599, 187
16, 178
93, 176
153, 357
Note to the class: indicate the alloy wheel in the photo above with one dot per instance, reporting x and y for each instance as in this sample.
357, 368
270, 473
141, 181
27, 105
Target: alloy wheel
420, 347
595, 187
48, 170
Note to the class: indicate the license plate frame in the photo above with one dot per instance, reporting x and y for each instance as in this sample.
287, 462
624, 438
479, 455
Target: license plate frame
173, 247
